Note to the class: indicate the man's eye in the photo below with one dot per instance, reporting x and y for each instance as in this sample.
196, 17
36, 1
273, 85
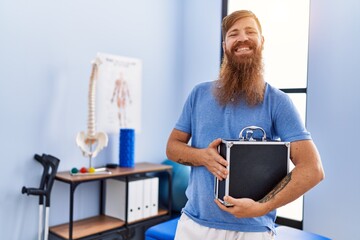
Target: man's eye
251, 32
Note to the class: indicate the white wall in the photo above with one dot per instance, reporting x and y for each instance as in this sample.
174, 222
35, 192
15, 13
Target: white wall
46, 48
333, 117
201, 42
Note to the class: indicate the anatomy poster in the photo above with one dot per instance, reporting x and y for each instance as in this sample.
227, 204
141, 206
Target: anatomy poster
118, 95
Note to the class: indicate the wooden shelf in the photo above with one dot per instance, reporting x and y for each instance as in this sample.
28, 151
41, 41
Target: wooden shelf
93, 226
87, 226
143, 167
161, 212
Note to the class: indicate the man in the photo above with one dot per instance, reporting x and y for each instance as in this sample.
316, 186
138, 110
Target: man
220, 109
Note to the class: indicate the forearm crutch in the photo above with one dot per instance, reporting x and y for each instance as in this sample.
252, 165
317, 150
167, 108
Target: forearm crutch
53, 163
50, 165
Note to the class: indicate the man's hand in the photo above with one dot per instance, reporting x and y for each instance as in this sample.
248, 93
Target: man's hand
242, 207
213, 161
179, 151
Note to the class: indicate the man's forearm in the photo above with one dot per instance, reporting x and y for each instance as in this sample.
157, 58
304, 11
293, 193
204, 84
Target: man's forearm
277, 189
182, 153
307, 173
179, 151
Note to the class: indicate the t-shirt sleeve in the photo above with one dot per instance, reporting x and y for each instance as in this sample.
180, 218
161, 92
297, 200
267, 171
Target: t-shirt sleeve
184, 122
288, 123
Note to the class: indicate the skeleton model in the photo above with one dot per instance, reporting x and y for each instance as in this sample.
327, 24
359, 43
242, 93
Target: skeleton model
92, 142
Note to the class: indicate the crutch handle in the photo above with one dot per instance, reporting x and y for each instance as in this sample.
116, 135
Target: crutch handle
37, 156
32, 191
40, 159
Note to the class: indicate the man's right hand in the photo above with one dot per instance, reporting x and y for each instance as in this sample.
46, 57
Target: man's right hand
179, 151
213, 161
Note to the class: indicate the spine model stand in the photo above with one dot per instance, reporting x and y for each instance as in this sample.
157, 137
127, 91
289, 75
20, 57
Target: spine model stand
92, 142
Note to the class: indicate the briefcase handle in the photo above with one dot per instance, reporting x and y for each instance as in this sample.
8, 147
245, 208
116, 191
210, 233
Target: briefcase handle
249, 133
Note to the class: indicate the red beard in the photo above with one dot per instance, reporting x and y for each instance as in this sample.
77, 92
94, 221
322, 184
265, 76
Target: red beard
241, 77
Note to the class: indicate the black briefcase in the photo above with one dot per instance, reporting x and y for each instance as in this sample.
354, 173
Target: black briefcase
255, 166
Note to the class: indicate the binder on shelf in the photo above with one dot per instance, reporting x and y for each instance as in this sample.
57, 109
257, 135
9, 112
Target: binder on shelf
135, 200
154, 208
143, 198
115, 198
147, 182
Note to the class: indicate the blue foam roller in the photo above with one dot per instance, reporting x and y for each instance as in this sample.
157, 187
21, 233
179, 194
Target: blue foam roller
127, 147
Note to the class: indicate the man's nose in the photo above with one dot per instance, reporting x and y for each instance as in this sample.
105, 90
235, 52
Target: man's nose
242, 37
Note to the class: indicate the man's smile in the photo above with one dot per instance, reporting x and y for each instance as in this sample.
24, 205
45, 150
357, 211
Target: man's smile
243, 50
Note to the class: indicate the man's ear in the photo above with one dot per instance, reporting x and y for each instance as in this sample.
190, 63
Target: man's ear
223, 46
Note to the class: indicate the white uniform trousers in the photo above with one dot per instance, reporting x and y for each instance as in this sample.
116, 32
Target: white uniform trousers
187, 229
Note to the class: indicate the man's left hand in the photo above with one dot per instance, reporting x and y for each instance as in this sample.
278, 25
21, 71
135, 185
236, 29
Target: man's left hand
242, 207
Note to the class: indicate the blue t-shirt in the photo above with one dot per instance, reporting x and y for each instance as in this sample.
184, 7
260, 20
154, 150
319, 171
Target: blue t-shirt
206, 120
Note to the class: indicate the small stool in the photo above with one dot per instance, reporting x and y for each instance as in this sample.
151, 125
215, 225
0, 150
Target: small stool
166, 231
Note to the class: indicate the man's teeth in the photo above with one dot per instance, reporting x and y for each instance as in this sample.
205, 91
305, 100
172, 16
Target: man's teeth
242, 49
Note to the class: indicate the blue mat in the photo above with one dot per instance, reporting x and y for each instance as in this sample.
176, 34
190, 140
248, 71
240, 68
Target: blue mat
166, 231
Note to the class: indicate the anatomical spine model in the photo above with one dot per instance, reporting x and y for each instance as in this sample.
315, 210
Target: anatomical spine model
92, 142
